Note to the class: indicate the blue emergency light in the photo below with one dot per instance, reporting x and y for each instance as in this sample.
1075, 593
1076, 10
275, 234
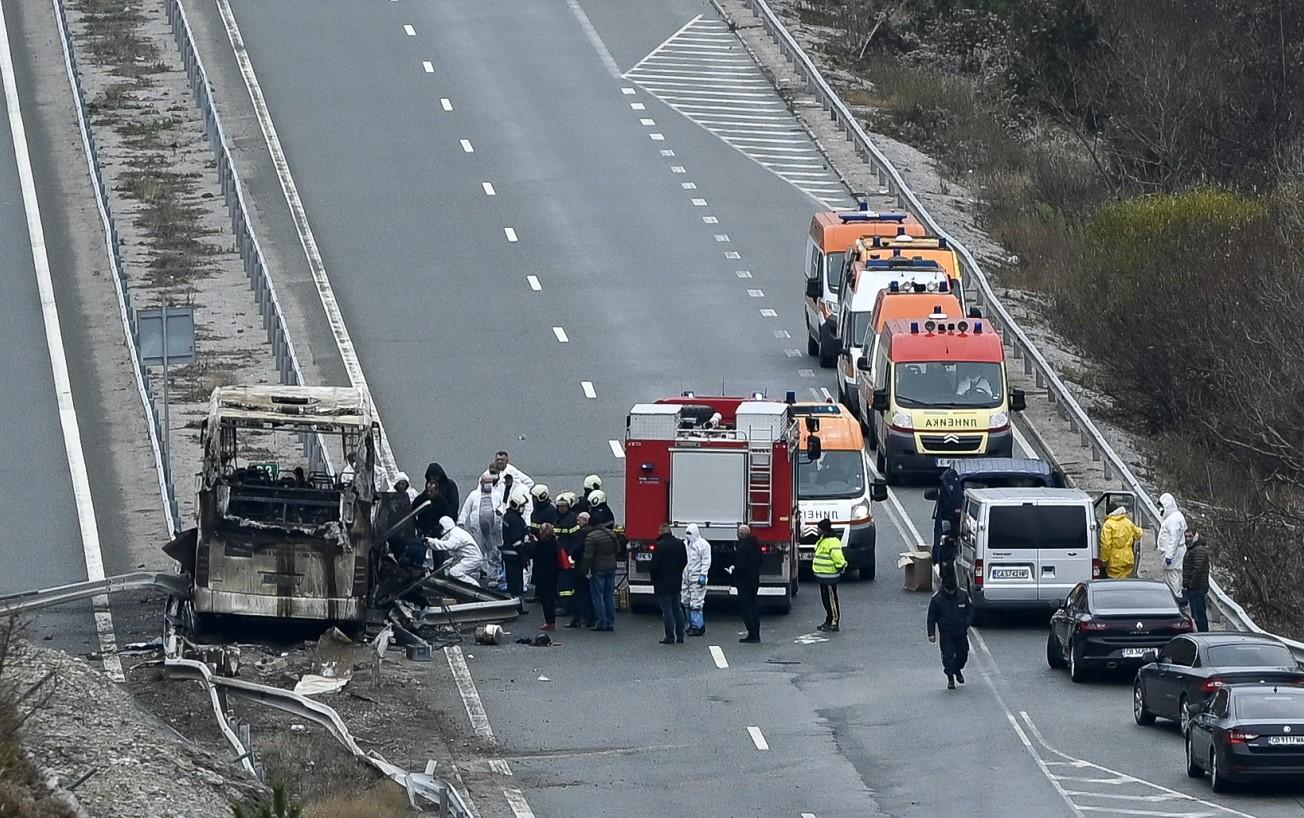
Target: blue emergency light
977, 326
914, 327
894, 287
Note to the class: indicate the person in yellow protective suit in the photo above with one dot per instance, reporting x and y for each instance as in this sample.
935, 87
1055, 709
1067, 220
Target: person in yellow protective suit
1117, 537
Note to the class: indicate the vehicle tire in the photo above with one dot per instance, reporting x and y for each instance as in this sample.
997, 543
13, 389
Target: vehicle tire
1193, 769
828, 352
1077, 672
1218, 781
784, 606
1140, 713
795, 587
1184, 715
868, 572
812, 343
1054, 652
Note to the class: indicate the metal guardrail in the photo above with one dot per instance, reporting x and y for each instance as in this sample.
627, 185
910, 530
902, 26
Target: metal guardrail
26, 601
1034, 363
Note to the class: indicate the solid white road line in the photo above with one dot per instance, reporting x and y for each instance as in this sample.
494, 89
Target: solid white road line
589, 391
533, 281
488, 189
592, 34
409, 31
470, 696
516, 800
561, 335
718, 655
466, 146
758, 738
446, 103
81, 486
428, 66
510, 233
616, 449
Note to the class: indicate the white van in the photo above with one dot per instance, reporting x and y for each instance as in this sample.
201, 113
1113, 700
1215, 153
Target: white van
1026, 548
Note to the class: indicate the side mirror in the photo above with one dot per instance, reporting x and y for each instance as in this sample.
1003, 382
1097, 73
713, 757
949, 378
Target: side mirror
878, 491
863, 363
814, 289
1018, 401
814, 449
1151, 655
880, 400
930, 494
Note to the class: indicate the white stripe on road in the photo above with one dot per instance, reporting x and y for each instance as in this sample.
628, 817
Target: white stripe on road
722, 237
666, 152
561, 335
637, 106
710, 220
758, 738
533, 281
446, 103
589, 391
409, 31
718, 655
768, 313
488, 188
616, 449
756, 293
592, 34
677, 169
466, 146
428, 66
647, 121
743, 273
665, 43
824, 390
470, 696
657, 137
688, 185
81, 486
516, 800
699, 202
627, 91
510, 233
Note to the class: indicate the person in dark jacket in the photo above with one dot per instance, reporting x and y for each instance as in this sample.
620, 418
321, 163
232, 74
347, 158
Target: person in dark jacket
439, 507
669, 558
600, 550
544, 574
747, 579
447, 488
949, 613
948, 548
515, 532
600, 514
1195, 578
580, 601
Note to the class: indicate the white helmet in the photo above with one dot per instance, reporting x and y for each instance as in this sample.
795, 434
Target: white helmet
592, 483
597, 497
519, 499
567, 497
539, 493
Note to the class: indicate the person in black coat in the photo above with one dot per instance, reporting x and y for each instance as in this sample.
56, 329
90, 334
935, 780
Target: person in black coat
438, 507
949, 613
545, 574
515, 531
747, 579
447, 488
669, 559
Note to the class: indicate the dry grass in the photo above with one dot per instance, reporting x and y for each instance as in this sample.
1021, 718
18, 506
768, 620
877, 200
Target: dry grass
313, 767
385, 800
22, 792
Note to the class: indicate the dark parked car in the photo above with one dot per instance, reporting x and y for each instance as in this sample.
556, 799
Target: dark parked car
1248, 732
1191, 668
1113, 623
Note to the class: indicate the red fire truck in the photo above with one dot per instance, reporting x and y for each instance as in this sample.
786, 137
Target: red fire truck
717, 462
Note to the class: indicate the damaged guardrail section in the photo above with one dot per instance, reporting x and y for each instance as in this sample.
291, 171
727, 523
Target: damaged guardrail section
1034, 363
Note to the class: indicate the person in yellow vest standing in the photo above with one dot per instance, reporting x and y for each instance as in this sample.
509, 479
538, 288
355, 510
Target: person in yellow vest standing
828, 565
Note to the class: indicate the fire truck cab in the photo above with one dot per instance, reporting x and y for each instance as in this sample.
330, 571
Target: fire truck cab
717, 462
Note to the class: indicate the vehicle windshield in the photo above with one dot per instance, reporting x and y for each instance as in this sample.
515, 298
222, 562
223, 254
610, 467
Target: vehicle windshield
1250, 655
859, 322
949, 383
1133, 598
833, 264
1270, 706
834, 475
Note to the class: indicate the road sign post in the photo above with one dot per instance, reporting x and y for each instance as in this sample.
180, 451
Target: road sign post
167, 336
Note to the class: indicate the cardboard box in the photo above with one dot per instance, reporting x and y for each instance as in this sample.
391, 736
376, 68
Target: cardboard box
918, 565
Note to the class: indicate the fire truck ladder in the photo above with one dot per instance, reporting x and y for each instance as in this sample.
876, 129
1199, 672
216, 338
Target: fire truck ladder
760, 481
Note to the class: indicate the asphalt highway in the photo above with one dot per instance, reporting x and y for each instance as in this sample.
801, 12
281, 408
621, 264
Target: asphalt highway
513, 232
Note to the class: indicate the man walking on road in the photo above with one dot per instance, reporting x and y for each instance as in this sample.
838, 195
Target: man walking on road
693, 590
950, 612
747, 579
669, 558
1195, 579
600, 550
827, 565
1171, 542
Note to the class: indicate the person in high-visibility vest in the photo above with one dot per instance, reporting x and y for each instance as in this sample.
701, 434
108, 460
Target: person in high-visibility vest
828, 565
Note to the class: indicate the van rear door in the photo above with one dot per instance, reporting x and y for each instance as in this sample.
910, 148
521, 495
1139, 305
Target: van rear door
1010, 561
1064, 534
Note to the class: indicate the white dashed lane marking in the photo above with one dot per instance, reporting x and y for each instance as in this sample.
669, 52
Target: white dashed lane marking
561, 335
758, 738
637, 106
743, 273
717, 654
488, 188
510, 233
409, 31
446, 103
704, 73
616, 449
533, 281
428, 66
466, 146
647, 121
589, 391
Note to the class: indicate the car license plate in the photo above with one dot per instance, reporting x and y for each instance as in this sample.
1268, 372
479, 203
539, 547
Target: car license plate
1134, 653
1286, 739
945, 462
1016, 572
806, 556
642, 557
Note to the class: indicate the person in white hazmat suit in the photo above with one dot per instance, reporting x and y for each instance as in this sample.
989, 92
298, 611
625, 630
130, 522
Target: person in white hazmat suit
463, 553
693, 590
482, 517
1171, 542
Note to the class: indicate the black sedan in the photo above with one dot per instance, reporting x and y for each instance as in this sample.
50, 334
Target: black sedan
1113, 623
1191, 668
1248, 732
